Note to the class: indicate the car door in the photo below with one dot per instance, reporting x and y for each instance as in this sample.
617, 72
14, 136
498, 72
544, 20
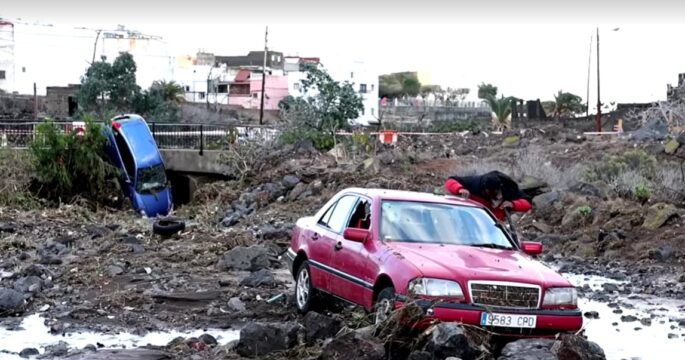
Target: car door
322, 237
351, 259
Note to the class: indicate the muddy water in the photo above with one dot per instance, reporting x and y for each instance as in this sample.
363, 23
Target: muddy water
34, 334
633, 339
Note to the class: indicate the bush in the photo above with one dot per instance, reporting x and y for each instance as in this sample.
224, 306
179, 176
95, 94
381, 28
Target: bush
642, 193
67, 165
609, 169
584, 211
14, 183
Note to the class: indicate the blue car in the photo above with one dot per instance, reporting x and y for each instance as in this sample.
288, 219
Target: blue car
132, 149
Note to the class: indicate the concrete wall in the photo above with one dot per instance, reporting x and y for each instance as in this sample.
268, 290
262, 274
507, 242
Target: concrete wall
190, 161
57, 100
439, 113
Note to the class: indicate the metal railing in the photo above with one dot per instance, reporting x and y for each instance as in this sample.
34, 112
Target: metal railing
199, 137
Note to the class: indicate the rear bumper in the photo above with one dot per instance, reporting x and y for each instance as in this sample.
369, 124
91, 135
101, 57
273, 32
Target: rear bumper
548, 323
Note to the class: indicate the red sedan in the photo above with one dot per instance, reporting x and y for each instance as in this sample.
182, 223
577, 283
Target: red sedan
381, 248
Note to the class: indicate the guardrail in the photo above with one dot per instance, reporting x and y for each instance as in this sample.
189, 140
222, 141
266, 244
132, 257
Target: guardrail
167, 136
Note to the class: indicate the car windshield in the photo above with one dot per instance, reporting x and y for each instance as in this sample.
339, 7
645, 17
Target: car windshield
151, 178
424, 222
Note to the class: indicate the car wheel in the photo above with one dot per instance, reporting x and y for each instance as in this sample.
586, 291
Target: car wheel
304, 292
385, 304
168, 227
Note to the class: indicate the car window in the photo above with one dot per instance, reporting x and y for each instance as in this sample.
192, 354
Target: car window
151, 178
410, 221
327, 215
361, 217
341, 212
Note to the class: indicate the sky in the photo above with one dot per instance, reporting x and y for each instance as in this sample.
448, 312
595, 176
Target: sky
528, 48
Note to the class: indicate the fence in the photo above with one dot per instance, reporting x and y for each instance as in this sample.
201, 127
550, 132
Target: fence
167, 136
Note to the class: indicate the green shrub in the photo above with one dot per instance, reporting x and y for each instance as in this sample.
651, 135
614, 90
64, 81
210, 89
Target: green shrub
67, 165
642, 192
614, 166
584, 211
321, 140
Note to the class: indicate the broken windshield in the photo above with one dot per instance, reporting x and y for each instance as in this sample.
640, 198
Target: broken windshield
151, 178
424, 222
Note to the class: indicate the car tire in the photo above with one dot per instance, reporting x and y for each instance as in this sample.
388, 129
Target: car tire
305, 293
384, 305
168, 227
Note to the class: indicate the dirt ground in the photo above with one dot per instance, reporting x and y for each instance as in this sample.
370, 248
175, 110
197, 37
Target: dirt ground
107, 271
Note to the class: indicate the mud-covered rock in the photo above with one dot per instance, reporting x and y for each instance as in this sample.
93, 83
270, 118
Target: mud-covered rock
258, 339
587, 189
351, 346
289, 181
545, 201
28, 352
258, 278
576, 347
11, 301
420, 355
448, 339
59, 349
320, 327
528, 349
236, 304
252, 258
658, 215
29, 284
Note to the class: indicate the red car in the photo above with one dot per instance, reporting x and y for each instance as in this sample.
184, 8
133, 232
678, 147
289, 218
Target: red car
382, 248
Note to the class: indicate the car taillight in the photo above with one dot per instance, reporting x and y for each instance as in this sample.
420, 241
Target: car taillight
116, 126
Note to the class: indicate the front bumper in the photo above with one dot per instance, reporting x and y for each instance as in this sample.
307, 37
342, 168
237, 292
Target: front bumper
548, 324
289, 258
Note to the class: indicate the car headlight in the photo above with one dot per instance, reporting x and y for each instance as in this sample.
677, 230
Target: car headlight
435, 287
561, 296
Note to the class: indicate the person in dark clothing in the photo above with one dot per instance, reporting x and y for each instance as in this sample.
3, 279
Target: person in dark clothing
494, 190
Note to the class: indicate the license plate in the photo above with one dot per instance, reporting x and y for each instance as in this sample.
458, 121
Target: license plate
508, 320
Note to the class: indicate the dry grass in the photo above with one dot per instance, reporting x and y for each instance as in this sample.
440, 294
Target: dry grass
15, 167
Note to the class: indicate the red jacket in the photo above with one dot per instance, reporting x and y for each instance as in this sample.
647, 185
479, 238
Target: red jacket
521, 205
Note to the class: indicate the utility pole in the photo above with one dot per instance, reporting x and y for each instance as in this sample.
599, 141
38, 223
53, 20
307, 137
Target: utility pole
599, 103
95, 46
589, 65
35, 102
261, 107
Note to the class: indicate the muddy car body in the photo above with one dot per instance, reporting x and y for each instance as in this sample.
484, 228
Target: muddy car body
133, 150
380, 249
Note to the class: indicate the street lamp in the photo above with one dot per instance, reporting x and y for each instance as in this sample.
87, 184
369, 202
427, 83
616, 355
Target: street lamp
598, 118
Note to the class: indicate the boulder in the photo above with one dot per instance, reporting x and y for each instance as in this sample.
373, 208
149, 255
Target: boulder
289, 181
671, 146
351, 346
658, 215
545, 201
420, 355
257, 339
29, 284
11, 301
450, 339
252, 258
587, 189
662, 253
320, 327
533, 186
529, 349
372, 165
655, 129
259, 278
236, 304
570, 346
681, 138
298, 190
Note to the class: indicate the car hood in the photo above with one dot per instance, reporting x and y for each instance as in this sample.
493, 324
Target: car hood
154, 204
465, 263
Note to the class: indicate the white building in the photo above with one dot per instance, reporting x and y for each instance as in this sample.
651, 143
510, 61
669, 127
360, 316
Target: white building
363, 79
52, 55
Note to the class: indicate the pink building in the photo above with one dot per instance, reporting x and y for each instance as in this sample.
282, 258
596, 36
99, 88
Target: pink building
246, 90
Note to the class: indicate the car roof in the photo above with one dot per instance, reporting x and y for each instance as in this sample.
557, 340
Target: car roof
387, 194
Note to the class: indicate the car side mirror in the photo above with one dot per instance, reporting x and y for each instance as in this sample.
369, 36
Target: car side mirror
531, 248
356, 234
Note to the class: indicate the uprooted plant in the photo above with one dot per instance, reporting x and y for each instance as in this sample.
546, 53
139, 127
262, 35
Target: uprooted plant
68, 165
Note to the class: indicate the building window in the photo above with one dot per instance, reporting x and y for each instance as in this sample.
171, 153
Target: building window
373, 87
222, 89
351, 75
363, 111
373, 112
255, 95
297, 86
202, 95
187, 88
2, 75
362, 88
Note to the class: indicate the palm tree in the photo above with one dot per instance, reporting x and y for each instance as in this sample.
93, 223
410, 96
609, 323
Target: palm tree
501, 110
567, 104
171, 91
